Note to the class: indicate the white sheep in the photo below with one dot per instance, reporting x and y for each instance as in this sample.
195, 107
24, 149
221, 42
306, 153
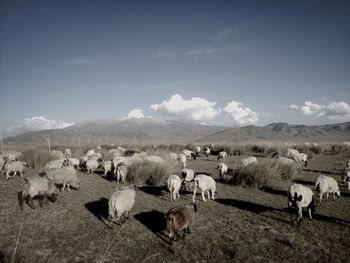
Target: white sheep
300, 196
14, 167
189, 154
54, 164
205, 184
298, 157
65, 177
74, 162
120, 161
119, 205
174, 185
38, 186
346, 177
91, 165
67, 153
90, 153
182, 158
107, 166
222, 155
154, 159
172, 157
286, 161
207, 151
57, 154
12, 156
187, 175
223, 168
248, 161
197, 150
2, 163
122, 172
325, 184
180, 219
290, 152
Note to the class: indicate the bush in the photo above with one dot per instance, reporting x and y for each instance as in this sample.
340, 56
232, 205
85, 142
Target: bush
259, 175
37, 158
149, 173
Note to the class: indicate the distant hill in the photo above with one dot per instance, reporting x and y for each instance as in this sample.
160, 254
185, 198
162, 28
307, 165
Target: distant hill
148, 130
284, 132
133, 130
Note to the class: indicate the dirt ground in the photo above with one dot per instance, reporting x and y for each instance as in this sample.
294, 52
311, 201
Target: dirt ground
241, 225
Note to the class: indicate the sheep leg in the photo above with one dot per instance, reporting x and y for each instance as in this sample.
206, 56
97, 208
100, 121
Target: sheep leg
208, 193
327, 195
64, 186
321, 197
310, 213
212, 195
30, 202
194, 194
203, 195
68, 187
41, 199
300, 216
20, 174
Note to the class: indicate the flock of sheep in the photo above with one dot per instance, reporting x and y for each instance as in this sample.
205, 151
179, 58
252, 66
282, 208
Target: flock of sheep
63, 171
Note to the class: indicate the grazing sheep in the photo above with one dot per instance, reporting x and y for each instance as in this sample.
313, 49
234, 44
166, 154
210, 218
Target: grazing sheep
180, 219
91, 165
14, 167
54, 164
74, 162
248, 161
57, 154
291, 152
174, 185
187, 175
120, 161
189, 154
207, 152
90, 153
205, 184
11, 156
222, 167
286, 161
197, 150
107, 166
182, 158
122, 172
38, 186
222, 155
119, 205
65, 177
325, 184
2, 162
172, 157
154, 159
67, 153
346, 177
300, 196
298, 157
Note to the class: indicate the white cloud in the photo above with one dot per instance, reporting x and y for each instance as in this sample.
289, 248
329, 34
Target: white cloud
135, 113
337, 110
196, 109
208, 52
36, 123
226, 32
241, 115
161, 54
78, 61
293, 106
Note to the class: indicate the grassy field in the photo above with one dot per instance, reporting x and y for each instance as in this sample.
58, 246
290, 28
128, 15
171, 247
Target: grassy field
241, 225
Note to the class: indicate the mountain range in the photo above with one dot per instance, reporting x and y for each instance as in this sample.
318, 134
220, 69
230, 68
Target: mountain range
149, 130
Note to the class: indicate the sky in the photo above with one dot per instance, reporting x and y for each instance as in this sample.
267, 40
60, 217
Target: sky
230, 63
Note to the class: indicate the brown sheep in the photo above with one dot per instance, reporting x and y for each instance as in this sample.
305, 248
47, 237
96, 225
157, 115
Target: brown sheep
180, 218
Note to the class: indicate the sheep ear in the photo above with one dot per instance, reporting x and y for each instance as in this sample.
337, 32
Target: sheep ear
300, 197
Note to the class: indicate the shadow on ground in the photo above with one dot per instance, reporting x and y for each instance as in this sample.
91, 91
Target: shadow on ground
99, 209
155, 221
153, 190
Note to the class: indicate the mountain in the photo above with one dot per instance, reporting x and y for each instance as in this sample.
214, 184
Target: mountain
283, 132
132, 130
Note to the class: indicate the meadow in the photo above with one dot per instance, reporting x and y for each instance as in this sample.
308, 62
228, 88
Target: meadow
245, 223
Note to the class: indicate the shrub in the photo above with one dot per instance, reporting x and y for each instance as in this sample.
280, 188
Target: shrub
149, 173
259, 175
37, 158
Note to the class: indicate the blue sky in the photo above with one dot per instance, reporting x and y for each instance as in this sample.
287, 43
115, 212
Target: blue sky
246, 62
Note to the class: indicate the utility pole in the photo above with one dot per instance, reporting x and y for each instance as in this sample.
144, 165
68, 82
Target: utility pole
2, 144
79, 142
107, 138
48, 141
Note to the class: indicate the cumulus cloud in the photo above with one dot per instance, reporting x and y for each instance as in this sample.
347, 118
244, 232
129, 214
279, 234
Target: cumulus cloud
135, 113
196, 109
36, 123
241, 115
293, 106
337, 110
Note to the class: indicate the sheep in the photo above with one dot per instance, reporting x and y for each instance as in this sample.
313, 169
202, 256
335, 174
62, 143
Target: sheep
346, 177
122, 171
291, 152
222, 155
189, 154
2, 163
107, 166
300, 196
91, 165
120, 161
90, 153
54, 164
286, 161
174, 185
298, 157
12, 156
222, 167
348, 164
187, 176
14, 167
206, 184
325, 184
211, 147
57, 154
38, 186
64, 176
119, 205
154, 159
74, 162
180, 219
172, 157
197, 150
207, 151
67, 153
182, 158
248, 161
